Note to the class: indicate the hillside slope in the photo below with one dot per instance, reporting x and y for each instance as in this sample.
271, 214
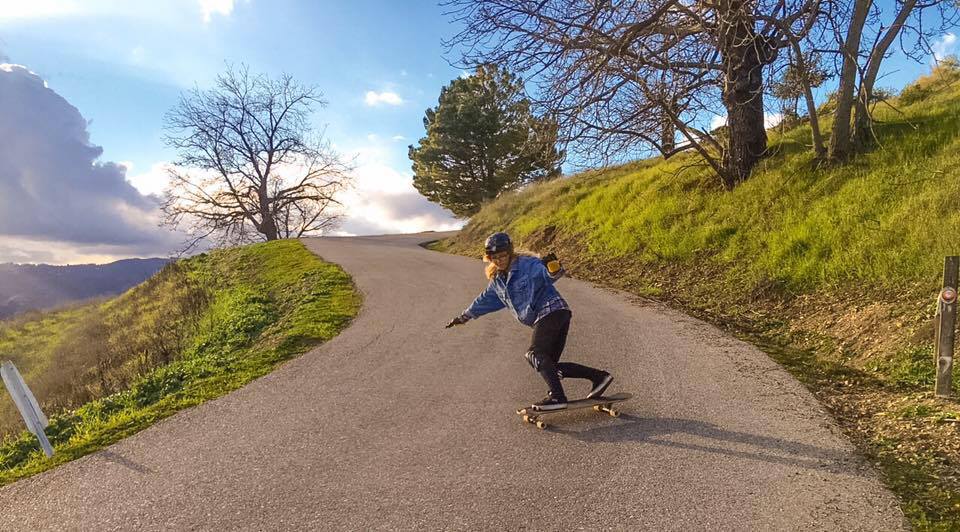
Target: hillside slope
200, 328
833, 268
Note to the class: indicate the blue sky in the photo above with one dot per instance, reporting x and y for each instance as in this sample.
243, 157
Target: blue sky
379, 64
121, 65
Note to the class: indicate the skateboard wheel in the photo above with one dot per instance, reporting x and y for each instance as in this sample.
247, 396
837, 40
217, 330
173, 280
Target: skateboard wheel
596, 408
615, 413
541, 425
526, 418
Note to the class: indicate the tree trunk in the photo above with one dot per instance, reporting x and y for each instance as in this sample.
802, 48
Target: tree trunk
268, 226
744, 55
270, 229
668, 135
840, 140
863, 122
818, 147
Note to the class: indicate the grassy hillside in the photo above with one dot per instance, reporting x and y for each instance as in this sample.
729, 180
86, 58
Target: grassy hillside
200, 328
834, 269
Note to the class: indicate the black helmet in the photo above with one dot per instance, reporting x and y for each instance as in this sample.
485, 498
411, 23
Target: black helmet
498, 242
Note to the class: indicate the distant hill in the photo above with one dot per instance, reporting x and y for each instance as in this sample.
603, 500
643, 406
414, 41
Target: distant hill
26, 287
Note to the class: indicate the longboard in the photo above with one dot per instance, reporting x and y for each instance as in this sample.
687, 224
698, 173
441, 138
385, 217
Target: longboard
600, 404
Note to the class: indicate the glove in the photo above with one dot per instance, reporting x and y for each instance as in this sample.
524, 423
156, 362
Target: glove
552, 263
459, 320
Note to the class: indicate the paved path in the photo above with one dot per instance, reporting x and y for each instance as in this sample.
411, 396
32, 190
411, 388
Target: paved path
400, 424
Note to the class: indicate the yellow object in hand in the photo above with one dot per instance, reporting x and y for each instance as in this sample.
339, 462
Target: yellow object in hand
553, 266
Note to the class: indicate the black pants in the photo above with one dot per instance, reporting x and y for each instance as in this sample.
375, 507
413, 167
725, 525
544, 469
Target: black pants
546, 346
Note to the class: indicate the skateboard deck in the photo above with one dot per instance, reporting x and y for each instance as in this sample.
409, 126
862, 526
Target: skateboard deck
600, 404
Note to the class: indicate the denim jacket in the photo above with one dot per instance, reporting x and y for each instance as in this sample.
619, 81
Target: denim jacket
525, 289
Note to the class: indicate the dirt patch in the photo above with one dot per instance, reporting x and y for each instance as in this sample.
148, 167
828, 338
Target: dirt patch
865, 329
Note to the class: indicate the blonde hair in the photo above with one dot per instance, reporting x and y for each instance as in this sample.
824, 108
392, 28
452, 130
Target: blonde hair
490, 270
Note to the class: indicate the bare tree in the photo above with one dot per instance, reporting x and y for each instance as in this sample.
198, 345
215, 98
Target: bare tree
616, 72
250, 165
801, 75
864, 31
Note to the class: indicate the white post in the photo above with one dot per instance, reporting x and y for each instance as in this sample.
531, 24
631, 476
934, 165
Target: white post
26, 404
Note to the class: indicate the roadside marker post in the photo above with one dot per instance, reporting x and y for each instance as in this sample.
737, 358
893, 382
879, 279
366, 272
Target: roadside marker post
946, 326
26, 404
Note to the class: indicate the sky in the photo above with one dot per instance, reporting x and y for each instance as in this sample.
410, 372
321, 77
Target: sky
85, 84
110, 70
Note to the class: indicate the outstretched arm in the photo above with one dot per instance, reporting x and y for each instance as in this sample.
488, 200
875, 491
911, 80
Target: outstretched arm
488, 301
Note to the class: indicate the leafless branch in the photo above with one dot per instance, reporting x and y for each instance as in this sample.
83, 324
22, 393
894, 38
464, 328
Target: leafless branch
249, 166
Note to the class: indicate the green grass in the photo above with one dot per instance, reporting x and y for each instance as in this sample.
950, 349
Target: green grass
909, 368
798, 237
261, 304
879, 219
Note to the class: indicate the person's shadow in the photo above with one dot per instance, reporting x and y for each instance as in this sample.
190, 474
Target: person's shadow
111, 456
649, 430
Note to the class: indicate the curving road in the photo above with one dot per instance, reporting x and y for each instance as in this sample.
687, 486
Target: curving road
400, 424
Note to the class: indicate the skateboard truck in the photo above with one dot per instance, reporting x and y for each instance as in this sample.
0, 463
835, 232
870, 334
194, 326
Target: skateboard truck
532, 415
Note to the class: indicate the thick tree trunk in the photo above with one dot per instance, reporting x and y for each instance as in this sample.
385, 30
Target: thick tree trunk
840, 140
270, 229
268, 226
744, 55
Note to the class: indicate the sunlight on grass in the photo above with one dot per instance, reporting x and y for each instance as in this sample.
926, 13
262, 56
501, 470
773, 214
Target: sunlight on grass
248, 309
798, 231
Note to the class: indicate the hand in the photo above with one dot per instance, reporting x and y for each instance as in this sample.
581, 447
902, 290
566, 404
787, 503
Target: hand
552, 263
459, 320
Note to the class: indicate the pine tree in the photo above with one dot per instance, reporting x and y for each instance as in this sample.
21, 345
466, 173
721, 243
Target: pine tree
482, 139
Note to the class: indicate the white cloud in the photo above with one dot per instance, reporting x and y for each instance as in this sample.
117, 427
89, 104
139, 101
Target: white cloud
12, 67
718, 121
376, 98
376, 176
34, 251
944, 46
211, 7
383, 199
398, 138
153, 181
372, 212
54, 188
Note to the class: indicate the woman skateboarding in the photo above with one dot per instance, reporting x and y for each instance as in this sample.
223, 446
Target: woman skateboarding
524, 284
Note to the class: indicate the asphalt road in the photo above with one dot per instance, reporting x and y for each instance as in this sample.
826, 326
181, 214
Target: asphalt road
399, 423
